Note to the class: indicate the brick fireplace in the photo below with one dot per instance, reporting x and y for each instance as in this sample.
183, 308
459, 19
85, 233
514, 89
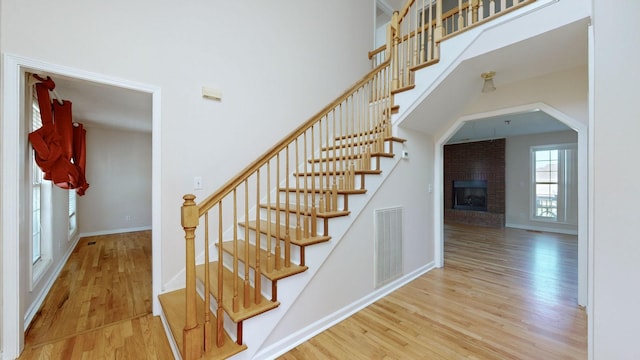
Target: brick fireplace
474, 166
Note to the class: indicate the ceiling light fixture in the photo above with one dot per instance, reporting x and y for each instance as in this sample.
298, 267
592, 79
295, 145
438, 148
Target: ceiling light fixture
488, 81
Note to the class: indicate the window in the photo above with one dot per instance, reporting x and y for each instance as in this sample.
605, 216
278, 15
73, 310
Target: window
72, 213
41, 209
36, 198
36, 210
553, 171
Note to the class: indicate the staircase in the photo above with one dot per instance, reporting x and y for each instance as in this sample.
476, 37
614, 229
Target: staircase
255, 230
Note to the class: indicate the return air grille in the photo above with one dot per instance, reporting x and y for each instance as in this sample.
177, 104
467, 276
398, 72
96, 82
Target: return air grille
388, 245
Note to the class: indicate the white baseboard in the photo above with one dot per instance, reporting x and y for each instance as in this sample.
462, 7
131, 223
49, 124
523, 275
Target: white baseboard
542, 228
115, 231
172, 341
35, 306
297, 338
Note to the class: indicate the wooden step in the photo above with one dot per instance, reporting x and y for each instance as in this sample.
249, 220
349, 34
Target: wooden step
173, 306
292, 233
343, 145
350, 157
227, 302
317, 190
272, 275
403, 89
306, 212
337, 172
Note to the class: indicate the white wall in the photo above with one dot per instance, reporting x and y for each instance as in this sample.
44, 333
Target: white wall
119, 174
565, 91
616, 245
275, 62
346, 279
518, 182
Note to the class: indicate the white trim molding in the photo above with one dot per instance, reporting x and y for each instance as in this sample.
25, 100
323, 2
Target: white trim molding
12, 330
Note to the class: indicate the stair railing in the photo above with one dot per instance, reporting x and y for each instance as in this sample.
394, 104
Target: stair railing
348, 131
421, 25
287, 191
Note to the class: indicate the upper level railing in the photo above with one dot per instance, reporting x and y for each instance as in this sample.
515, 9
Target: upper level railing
416, 31
291, 185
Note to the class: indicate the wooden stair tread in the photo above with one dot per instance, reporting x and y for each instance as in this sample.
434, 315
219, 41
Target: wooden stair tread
292, 233
367, 140
402, 89
271, 275
173, 306
340, 191
303, 211
350, 157
227, 301
337, 172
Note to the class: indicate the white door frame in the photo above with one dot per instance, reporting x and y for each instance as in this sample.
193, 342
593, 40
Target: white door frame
12, 331
583, 186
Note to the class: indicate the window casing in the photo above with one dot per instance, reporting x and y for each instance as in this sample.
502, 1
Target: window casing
552, 175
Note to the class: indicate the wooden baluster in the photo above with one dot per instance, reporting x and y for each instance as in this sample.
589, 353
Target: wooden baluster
335, 142
207, 287
407, 60
258, 271
236, 304
341, 148
247, 284
269, 239
395, 83
439, 32
190, 334
503, 5
220, 309
415, 36
474, 10
304, 177
430, 32
327, 161
313, 178
298, 204
422, 28
278, 225
287, 212
492, 8
460, 16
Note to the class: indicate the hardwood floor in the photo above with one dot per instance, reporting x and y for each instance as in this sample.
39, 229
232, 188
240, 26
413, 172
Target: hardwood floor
503, 294
100, 305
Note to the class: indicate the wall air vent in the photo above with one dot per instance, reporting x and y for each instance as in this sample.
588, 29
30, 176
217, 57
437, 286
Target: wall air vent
388, 259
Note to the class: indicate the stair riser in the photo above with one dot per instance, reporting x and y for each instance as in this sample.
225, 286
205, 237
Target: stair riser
295, 250
303, 214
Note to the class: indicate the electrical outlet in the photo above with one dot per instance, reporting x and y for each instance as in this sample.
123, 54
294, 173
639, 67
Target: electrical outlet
405, 154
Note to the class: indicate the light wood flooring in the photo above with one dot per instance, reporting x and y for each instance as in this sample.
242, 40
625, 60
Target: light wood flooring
503, 294
100, 305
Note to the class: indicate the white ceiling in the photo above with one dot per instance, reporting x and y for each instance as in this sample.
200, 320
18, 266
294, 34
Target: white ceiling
106, 106
102, 105
558, 50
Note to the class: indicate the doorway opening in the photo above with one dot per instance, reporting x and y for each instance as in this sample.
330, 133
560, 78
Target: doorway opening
14, 203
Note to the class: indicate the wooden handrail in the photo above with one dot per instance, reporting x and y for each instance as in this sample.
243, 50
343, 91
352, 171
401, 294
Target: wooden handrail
377, 51
338, 144
206, 204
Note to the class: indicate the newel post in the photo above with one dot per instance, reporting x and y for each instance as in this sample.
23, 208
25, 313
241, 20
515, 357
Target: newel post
192, 333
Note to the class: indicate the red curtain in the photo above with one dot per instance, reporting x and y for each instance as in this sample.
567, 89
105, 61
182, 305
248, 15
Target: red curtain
60, 149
